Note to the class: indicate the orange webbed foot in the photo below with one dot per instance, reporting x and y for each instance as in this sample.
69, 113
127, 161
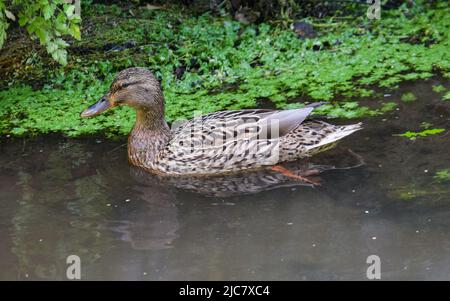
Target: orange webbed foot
290, 174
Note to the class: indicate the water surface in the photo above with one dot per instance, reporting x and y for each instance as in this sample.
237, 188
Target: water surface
80, 196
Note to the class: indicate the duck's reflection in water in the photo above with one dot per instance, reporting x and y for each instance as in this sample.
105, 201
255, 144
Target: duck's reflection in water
253, 181
234, 184
155, 225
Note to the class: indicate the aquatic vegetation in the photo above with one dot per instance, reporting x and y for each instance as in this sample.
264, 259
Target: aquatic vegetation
209, 63
439, 88
408, 97
442, 176
353, 110
408, 193
424, 133
411, 192
446, 96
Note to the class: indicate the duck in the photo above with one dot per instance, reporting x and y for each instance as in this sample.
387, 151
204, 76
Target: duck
218, 143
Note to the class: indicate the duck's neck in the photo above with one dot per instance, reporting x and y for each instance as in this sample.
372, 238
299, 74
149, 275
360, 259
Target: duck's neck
148, 138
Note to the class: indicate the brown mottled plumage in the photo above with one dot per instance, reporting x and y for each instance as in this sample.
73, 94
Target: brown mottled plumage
217, 143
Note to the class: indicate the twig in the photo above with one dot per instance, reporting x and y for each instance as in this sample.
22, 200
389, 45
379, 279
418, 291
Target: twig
116, 148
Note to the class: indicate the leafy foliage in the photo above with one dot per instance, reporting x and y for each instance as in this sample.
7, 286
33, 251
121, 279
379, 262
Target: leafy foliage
442, 176
408, 97
446, 96
353, 110
424, 133
439, 88
211, 63
47, 20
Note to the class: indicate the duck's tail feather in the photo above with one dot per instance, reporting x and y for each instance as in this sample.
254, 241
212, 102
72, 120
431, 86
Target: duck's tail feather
338, 133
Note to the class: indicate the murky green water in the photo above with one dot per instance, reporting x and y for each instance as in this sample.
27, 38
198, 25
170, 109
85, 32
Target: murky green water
60, 197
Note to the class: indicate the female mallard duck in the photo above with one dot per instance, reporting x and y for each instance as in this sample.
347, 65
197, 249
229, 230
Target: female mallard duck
216, 143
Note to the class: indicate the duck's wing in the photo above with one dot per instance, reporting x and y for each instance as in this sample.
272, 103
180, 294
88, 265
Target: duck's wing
228, 141
226, 126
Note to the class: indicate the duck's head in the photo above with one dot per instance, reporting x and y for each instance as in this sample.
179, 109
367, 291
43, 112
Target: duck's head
135, 87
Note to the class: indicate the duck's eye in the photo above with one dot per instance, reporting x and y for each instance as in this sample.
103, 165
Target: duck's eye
117, 87
124, 85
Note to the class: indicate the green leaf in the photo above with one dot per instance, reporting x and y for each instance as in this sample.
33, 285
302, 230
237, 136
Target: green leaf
61, 43
60, 55
75, 31
2, 35
408, 97
60, 23
48, 11
425, 133
23, 19
51, 47
42, 35
438, 88
442, 176
69, 10
446, 96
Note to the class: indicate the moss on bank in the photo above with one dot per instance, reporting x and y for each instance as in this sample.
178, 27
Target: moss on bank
210, 63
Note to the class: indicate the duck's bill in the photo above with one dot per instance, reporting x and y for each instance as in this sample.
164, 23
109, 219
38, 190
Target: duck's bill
96, 109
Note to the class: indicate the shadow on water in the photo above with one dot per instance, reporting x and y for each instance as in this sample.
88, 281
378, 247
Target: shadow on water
61, 197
